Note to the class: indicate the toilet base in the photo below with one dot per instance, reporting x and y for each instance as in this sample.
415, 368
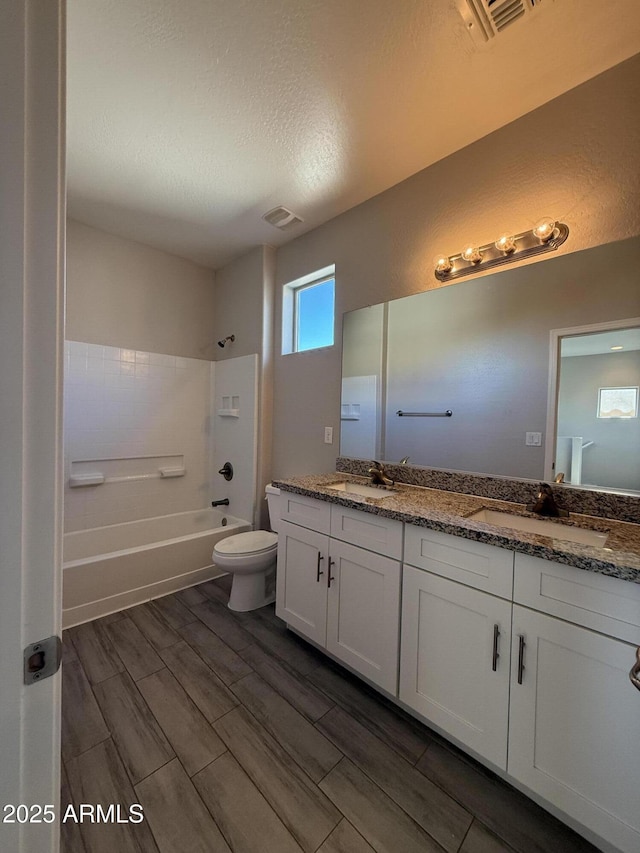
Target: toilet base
249, 592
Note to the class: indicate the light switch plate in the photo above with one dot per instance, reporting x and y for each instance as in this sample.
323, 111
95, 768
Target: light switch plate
328, 435
533, 439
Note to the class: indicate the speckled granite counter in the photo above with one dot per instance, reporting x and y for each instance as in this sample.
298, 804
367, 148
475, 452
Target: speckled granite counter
448, 512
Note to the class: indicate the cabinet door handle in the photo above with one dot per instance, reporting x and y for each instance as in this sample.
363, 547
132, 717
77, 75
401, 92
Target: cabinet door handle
318, 572
634, 674
329, 575
521, 645
496, 654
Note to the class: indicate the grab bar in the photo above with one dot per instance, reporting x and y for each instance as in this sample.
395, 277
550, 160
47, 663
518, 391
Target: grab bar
402, 414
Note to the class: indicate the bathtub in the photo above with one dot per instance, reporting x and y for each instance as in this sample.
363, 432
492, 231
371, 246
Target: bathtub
106, 569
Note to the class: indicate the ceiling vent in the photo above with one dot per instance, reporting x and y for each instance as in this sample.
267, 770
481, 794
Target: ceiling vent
485, 19
281, 217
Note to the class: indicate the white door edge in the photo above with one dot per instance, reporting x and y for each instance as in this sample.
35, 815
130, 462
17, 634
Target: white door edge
32, 223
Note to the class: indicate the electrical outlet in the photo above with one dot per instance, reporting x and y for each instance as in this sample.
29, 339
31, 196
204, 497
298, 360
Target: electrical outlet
328, 435
533, 439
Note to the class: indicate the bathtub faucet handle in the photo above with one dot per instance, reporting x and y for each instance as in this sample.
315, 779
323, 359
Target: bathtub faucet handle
223, 502
227, 471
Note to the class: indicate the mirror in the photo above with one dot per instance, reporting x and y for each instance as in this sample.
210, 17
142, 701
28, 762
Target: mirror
480, 349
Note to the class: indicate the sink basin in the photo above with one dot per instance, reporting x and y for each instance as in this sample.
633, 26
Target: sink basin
554, 529
362, 489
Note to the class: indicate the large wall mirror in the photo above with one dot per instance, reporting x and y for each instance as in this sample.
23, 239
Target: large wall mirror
483, 350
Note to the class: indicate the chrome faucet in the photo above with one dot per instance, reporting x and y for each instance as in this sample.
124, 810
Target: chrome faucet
545, 503
379, 476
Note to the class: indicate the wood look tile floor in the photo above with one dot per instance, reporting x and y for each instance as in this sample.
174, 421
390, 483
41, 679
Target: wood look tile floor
235, 735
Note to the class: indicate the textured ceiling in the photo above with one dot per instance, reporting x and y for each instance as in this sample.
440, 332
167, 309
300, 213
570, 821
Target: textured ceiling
188, 119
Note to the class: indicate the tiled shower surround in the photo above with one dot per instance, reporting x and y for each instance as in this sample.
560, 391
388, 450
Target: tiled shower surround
128, 414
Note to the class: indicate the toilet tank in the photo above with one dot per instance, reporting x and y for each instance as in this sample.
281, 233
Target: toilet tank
273, 501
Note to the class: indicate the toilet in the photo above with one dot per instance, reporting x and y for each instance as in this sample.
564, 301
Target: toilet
251, 559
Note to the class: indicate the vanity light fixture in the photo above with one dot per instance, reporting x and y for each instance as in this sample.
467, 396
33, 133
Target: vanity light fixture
546, 236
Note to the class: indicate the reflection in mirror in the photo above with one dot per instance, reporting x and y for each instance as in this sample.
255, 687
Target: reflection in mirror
362, 387
598, 428
479, 348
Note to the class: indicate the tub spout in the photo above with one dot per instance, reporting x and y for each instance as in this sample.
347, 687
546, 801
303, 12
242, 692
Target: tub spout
223, 502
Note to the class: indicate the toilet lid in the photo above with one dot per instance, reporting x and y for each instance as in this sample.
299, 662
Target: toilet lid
247, 543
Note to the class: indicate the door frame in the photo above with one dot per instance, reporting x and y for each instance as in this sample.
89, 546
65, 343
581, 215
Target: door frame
555, 336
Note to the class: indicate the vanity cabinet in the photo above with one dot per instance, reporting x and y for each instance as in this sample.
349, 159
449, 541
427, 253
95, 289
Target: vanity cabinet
523, 660
456, 638
574, 731
343, 597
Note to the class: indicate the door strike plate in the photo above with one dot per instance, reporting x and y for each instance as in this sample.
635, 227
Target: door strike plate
42, 659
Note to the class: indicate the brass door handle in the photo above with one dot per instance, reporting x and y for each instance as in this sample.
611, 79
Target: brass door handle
634, 673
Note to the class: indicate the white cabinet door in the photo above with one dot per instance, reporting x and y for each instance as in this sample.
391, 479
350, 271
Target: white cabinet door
454, 661
575, 724
301, 581
363, 613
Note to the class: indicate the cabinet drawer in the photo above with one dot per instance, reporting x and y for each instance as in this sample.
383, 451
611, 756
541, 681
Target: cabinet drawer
475, 564
602, 603
307, 512
373, 532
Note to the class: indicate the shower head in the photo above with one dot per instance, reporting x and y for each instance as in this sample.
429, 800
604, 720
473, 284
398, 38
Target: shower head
229, 338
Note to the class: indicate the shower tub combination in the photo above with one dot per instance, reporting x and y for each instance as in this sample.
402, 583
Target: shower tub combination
109, 568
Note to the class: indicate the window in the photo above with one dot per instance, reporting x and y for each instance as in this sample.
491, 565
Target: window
618, 403
308, 312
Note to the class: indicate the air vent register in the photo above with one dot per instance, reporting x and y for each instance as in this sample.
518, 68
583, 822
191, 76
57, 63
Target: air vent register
485, 19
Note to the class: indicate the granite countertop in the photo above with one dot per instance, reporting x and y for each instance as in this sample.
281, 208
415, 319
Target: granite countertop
448, 512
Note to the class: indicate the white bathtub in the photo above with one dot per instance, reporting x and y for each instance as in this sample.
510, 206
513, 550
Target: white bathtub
109, 568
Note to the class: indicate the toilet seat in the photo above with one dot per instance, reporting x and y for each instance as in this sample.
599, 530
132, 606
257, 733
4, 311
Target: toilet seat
245, 544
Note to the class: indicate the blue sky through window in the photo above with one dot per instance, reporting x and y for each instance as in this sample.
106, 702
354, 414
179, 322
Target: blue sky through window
314, 313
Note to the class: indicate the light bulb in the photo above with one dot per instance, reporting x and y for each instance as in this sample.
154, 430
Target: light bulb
472, 254
615, 349
442, 263
544, 229
506, 243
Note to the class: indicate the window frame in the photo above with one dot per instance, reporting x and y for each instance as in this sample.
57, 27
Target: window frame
290, 308
605, 417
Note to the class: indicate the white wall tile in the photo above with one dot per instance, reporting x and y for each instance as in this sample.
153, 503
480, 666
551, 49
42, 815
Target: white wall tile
122, 403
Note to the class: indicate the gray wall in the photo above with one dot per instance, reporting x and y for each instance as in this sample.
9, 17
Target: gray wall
239, 305
614, 458
244, 307
121, 293
574, 158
